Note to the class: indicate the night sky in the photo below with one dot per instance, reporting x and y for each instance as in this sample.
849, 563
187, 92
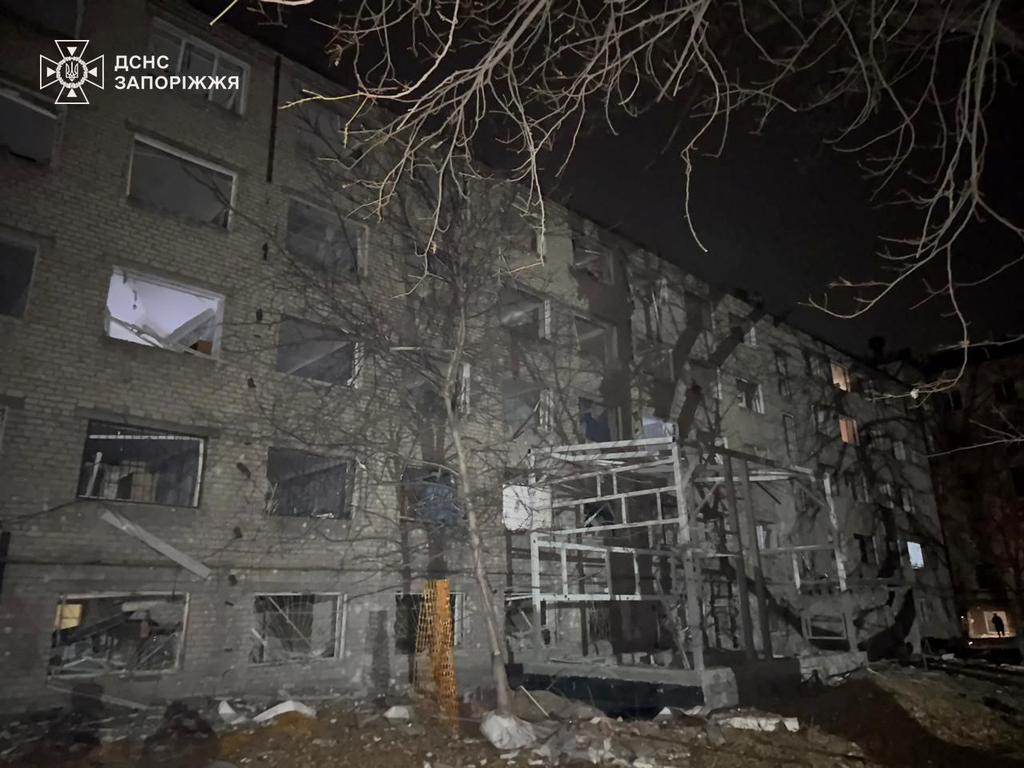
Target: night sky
781, 214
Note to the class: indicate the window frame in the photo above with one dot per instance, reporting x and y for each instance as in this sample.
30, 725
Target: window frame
744, 329
840, 375
609, 335
188, 158
854, 431
357, 354
758, 404
340, 626
457, 599
15, 94
165, 434
345, 514
544, 307
614, 422
362, 233
218, 53
782, 374
173, 285
606, 261
789, 435
7, 236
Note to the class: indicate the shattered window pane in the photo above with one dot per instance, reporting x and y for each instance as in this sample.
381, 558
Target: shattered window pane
523, 314
26, 131
595, 340
138, 464
596, 421
522, 404
322, 240
749, 396
294, 628
173, 183
407, 616
158, 313
117, 634
314, 351
17, 260
305, 484
429, 494
188, 56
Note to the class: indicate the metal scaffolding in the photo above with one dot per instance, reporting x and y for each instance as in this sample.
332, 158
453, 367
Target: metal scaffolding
634, 505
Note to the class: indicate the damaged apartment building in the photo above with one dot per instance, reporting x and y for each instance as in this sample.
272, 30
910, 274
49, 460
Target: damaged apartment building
227, 462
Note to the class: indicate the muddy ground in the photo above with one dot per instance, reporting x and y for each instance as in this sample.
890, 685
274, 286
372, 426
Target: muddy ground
886, 716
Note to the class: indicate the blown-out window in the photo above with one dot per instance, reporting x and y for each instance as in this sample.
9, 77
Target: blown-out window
17, 262
313, 351
598, 421
596, 340
296, 627
324, 241
27, 129
407, 617
305, 484
131, 463
188, 55
155, 312
523, 314
429, 494
174, 182
525, 405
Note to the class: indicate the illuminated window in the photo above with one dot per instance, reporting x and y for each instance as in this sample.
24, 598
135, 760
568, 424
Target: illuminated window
848, 430
916, 555
841, 377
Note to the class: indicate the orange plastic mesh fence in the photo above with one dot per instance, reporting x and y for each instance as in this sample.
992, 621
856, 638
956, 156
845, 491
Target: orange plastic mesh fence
435, 661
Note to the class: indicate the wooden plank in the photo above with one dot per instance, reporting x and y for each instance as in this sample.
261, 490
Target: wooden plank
156, 543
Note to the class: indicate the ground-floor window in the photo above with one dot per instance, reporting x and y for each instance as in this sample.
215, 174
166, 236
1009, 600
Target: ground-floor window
117, 633
407, 617
297, 627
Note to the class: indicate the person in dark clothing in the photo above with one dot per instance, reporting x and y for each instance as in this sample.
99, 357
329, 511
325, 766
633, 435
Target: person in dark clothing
998, 624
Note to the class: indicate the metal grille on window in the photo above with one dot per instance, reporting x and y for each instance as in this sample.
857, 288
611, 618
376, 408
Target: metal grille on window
294, 628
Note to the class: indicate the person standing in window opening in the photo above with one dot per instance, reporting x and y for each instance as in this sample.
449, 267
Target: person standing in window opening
998, 625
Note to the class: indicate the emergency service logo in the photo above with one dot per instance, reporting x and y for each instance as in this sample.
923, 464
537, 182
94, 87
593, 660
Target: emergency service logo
71, 72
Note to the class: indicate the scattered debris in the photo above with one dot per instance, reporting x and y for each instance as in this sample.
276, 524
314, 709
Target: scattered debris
399, 714
283, 708
507, 731
229, 715
767, 723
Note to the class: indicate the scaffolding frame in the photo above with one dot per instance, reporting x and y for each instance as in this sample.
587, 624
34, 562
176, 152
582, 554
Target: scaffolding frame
613, 475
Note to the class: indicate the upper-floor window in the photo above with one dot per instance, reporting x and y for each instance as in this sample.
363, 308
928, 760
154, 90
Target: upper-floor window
175, 182
818, 366
132, 463
1005, 391
789, 434
840, 377
743, 330
915, 553
324, 241
598, 421
595, 340
314, 351
525, 404
592, 261
188, 55
430, 494
305, 484
155, 312
524, 314
698, 313
650, 300
749, 395
782, 373
59, 16
848, 430
27, 129
17, 262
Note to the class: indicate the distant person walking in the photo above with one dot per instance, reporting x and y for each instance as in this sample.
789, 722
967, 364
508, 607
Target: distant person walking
998, 625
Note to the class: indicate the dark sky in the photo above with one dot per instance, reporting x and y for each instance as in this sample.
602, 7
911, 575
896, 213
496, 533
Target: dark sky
781, 214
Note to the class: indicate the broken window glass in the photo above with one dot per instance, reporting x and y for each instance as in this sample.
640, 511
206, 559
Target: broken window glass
429, 494
131, 463
304, 484
749, 396
116, 634
407, 616
17, 260
288, 628
595, 339
597, 421
189, 56
523, 314
591, 261
27, 131
173, 182
322, 240
158, 313
523, 405
314, 351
